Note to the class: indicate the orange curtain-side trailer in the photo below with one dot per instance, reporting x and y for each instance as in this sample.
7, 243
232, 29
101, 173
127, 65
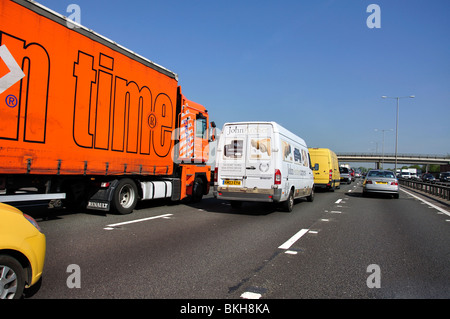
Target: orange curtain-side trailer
88, 119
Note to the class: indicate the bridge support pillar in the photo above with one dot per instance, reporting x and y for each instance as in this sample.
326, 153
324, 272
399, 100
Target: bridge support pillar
377, 165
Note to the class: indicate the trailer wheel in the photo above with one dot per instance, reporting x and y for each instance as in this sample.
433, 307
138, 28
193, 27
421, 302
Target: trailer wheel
12, 278
125, 196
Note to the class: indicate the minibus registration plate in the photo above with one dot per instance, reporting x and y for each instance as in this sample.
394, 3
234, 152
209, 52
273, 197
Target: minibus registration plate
231, 182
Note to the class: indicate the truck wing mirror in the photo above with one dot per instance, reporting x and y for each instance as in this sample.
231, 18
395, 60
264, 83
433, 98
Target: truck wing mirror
213, 132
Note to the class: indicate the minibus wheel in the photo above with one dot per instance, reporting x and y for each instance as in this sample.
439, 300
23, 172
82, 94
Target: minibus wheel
289, 204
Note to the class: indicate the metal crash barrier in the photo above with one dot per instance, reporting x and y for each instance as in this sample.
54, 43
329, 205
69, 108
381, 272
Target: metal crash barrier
441, 190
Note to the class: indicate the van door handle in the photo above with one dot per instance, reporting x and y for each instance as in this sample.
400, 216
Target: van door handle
251, 167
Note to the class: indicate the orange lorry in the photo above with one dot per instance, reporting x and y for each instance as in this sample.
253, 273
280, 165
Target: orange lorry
88, 122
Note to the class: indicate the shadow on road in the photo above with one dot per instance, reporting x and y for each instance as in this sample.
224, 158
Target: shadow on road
208, 203
217, 206
369, 195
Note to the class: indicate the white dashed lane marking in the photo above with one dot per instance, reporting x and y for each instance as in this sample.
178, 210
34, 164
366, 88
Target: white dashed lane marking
112, 226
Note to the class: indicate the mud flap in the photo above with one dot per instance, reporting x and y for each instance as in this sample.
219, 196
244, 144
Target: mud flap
102, 198
176, 189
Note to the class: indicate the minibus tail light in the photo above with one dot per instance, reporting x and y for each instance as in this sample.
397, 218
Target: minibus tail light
277, 177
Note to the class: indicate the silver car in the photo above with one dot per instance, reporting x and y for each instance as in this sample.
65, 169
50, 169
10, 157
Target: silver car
380, 181
345, 175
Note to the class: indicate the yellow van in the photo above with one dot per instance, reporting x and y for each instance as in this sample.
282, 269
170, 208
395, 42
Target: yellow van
325, 167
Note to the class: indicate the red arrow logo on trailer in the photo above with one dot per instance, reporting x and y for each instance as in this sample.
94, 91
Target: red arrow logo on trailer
15, 72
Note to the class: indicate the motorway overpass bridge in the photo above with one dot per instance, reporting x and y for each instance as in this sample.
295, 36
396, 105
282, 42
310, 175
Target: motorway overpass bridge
411, 159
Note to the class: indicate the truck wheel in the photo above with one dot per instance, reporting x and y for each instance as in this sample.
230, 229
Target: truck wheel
310, 198
125, 196
197, 190
12, 278
289, 204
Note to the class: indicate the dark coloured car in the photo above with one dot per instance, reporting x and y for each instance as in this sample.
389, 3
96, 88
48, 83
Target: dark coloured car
444, 177
428, 178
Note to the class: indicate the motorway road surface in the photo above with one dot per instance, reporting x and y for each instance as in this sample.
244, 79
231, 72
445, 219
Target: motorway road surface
334, 247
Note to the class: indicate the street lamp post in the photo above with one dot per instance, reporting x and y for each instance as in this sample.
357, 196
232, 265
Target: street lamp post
382, 148
396, 126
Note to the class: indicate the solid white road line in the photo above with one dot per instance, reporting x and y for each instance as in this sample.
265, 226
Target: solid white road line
293, 239
428, 203
250, 295
111, 226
